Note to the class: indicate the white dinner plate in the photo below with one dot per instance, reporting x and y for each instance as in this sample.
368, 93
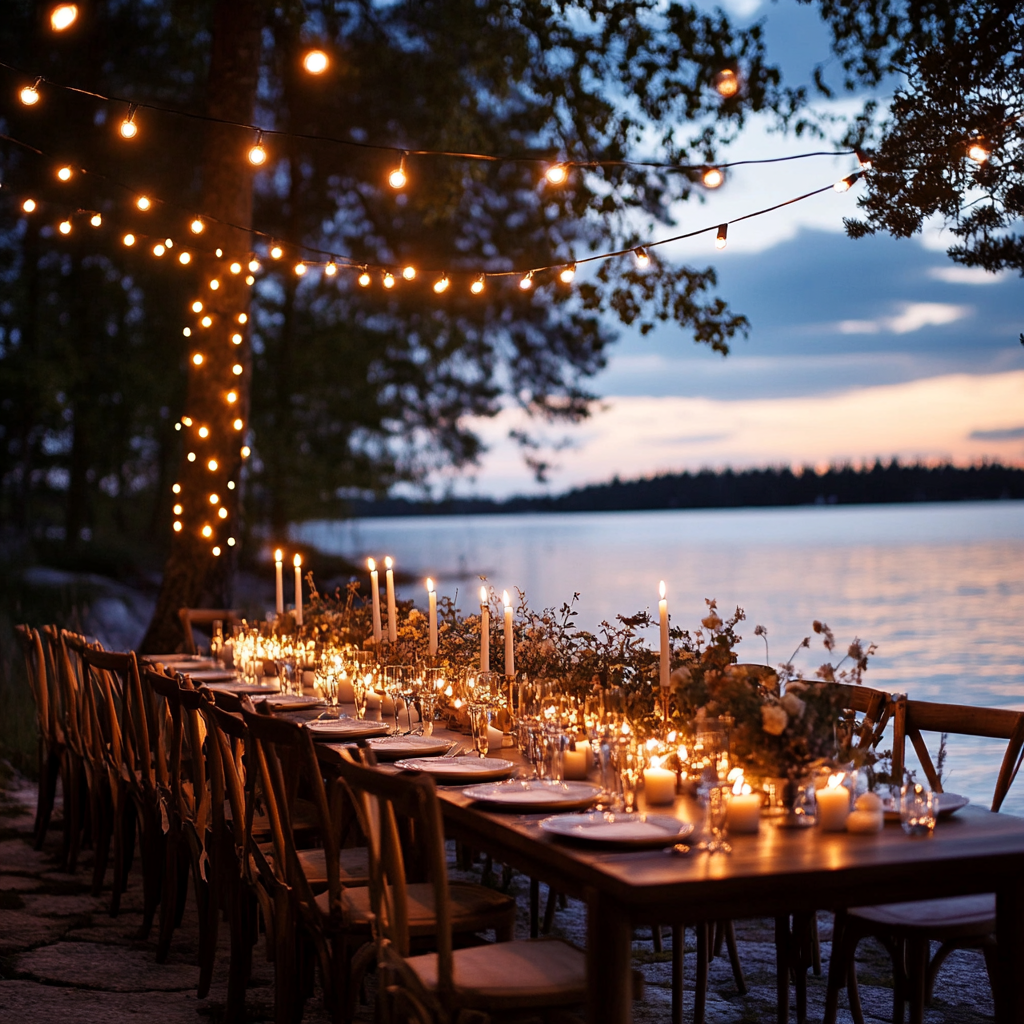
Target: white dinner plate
198, 660
345, 728
949, 803
450, 771
393, 748
619, 828
535, 794
293, 702
213, 675
242, 689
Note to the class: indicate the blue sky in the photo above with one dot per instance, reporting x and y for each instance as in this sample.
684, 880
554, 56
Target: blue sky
858, 349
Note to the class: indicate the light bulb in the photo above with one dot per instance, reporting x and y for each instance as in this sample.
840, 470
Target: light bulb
197, 359
526, 282
218, 252
169, 242
235, 268
204, 431
567, 274
713, 177
187, 420
398, 178
231, 542
29, 205
723, 231
315, 62
143, 203
214, 499
727, 83
249, 279
245, 451
978, 152
63, 16
409, 273
232, 397
214, 284
207, 530
231, 485
29, 95
129, 129
177, 526
191, 456
845, 184
176, 488
65, 227
212, 465
207, 321
64, 173
864, 159
557, 174
184, 258
330, 270
95, 220
241, 318
236, 339
197, 306
364, 280
222, 512
441, 285
129, 239
237, 424
159, 250
257, 154
643, 261
300, 269
478, 285
197, 226
178, 510
389, 281
276, 252
237, 369
216, 551
254, 265
187, 331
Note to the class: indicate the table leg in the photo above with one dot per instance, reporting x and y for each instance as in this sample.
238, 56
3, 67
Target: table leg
1010, 949
609, 944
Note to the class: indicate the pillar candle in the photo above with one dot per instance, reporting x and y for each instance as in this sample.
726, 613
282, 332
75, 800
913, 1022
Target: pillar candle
375, 595
510, 656
278, 554
659, 785
298, 590
432, 614
389, 582
663, 617
485, 632
833, 805
576, 763
743, 813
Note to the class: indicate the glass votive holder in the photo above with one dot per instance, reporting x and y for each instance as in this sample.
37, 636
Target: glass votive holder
918, 809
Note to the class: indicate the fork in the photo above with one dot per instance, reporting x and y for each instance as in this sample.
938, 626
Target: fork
454, 750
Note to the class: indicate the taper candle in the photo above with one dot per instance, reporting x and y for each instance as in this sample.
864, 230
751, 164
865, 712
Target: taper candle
389, 583
279, 565
432, 614
298, 590
375, 595
485, 632
663, 616
510, 654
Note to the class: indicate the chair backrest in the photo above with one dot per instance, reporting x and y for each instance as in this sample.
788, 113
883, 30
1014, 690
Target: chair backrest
226, 737
873, 705
39, 682
64, 659
912, 717
190, 617
382, 801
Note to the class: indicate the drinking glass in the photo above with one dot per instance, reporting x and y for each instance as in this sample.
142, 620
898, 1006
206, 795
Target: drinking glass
918, 809
715, 801
395, 677
432, 685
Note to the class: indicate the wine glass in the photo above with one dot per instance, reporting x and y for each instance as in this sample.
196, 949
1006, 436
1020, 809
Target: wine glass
394, 683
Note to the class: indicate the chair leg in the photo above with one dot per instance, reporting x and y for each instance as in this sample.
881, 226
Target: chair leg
120, 868
734, 956
656, 939
700, 983
678, 977
240, 912
49, 764
801, 959
782, 968
168, 901
102, 834
79, 787
815, 947
933, 969
152, 849
534, 908
549, 911
917, 972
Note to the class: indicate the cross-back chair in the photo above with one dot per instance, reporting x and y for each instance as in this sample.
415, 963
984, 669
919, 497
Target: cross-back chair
907, 929
508, 975
189, 617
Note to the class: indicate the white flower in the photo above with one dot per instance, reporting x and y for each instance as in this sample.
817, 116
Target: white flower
774, 719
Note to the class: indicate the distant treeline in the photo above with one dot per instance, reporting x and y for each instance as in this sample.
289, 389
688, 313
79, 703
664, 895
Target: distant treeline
882, 483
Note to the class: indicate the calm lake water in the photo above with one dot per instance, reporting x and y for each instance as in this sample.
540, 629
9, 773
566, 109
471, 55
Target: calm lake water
939, 588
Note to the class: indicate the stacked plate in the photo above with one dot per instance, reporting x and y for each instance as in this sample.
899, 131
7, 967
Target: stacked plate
345, 729
394, 748
452, 771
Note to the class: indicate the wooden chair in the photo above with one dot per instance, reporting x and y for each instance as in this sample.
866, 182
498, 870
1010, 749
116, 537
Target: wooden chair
52, 748
507, 975
190, 617
907, 929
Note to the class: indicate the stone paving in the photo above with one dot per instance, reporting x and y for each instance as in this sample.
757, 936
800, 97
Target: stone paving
63, 958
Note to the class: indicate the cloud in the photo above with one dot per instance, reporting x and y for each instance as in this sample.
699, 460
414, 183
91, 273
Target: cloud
1002, 434
966, 275
911, 317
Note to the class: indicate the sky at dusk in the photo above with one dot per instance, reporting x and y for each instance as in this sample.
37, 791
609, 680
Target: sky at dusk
857, 349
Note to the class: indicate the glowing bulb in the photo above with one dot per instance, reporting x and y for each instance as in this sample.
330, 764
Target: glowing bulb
187, 331
246, 451
191, 456
236, 339
184, 258
222, 512
315, 62
207, 530
441, 285
237, 369
845, 184
300, 269
29, 95
727, 83
364, 280
863, 158
720, 238
177, 526
187, 420
178, 510
214, 284
231, 542
389, 281
713, 177
64, 173
197, 359
235, 268
254, 265
29, 205
567, 274
214, 499
65, 227
216, 551
249, 279
526, 282
232, 397
643, 261
197, 306
212, 465
197, 226
128, 128
206, 321
276, 252
143, 203
557, 174
176, 488
257, 154
204, 431
397, 178
129, 239
330, 270
242, 318
63, 16
95, 220
231, 485
478, 285
978, 152
409, 273
237, 424
159, 250
169, 242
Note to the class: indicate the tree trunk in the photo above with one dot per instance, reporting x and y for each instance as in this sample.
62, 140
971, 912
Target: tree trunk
199, 567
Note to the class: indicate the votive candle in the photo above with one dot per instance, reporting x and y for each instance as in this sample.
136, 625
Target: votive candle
659, 785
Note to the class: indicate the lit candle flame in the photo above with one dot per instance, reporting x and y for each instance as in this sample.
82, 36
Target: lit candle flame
278, 555
661, 590
430, 585
505, 598
483, 595
835, 781
388, 562
371, 565
297, 561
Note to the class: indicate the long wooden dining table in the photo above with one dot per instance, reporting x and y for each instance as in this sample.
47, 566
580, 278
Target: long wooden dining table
776, 872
